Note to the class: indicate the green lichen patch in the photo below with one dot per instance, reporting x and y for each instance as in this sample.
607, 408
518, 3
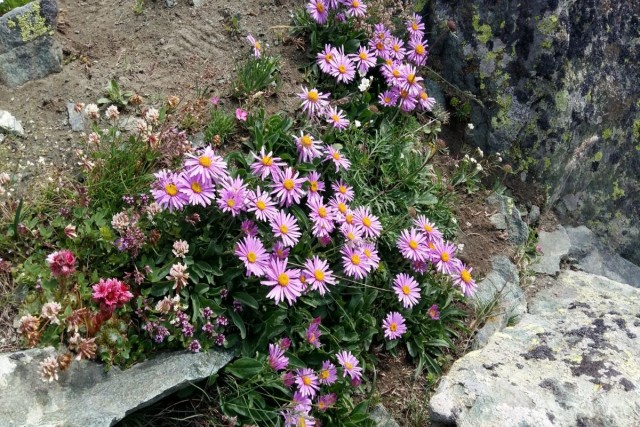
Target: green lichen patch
562, 100
617, 191
548, 25
31, 24
607, 134
636, 130
598, 156
483, 32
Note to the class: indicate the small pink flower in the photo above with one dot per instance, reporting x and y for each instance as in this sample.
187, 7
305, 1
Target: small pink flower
215, 101
433, 312
62, 263
241, 114
111, 293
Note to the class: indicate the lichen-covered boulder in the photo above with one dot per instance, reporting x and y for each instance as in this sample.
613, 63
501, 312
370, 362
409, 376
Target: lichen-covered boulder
557, 81
28, 50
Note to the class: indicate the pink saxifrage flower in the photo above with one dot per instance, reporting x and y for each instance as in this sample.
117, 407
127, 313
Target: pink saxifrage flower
407, 290
61, 263
349, 364
285, 227
111, 293
394, 326
251, 251
284, 283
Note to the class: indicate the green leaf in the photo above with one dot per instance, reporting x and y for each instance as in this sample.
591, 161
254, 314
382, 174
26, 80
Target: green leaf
237, 320
244, 368
246, 299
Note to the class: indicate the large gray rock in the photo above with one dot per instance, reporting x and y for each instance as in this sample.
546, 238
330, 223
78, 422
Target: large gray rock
382, 418
499, 292
27, 49
555, 247
558, 84
89, 396
571, 361
508, 218
9, 124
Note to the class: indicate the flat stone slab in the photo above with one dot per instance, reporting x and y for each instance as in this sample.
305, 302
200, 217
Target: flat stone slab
86, 395
508, 218
9, 124
571, 361
555, 246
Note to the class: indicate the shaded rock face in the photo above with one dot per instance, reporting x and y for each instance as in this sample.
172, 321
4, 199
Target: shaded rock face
570, 361
558, 83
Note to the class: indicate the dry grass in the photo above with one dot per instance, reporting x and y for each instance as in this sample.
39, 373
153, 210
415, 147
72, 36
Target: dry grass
8, 311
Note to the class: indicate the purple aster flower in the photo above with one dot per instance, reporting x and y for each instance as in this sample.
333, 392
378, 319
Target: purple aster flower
232, 198
280, 251
415, 26
420, 267
342, 68
259, 202
285, 227
301, 404
206, 164
328, 373
198, 190
462, 277
349, 364
287, 186
354, 262
407, 102
315, 185
313, 333
396, 49
371, 254
313, 102
277, 360
413, 245
318, 11
318, 274
166, 192
351, 232
194, 346
324, 58
326, 401
284, 283
380, 46
308, 147
429, 229
364, 59
407, 290
409, 81
426, 103
392, 73
417, 51
355, 8
336, 118
321, 216
394, 326
288, 379
249, 228
370, 224
445, 260
380, 32
255, 44
265, 164
307, 382
343, 191
338, 205
388, 98
251, 251
433, 312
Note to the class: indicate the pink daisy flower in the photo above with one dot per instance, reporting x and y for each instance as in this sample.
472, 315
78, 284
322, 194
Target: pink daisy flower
326, 401
342, 68
417, 51
420, 267
301, 404
394, 326
313, 333
462, 277
251, 251
284, 283
355, 8
409, 81
370, 224
396, 49
328, 373
413, 245
364, 59
287, 186
380, 47
336, 118
198, 190
318, 11
380, 32
315, 185
260, 203
349, 364
339, 161
307, 382
407, 102
347, 218
280, 251
277, 360
445, 261
313, 102
428, 228
407, 290
354, 262
425, 101
324, 58
265, 164
351, 232
343, 191
255, 44
318, 274
415, 27
308, 147
232, 197
285, 227
249, 228
322, 217
434, 312
340, 207
371, 254
388, 98
206, 164
392, 73
166, 191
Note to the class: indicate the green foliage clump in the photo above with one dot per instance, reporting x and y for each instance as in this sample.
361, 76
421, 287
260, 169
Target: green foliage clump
256, 75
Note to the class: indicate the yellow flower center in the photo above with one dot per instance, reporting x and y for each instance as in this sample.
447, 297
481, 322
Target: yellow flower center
196, 187
355, 4
414, 26
320, 7
428, 228
393, 327
432, 245
321, 405
301, 422
288, 184
324, 374
404, 94
411, 78
355, 259
419, 49
388, 61
363, 56
336, 119
257, 45
313, 95
284, 229
406, 289
313, 185
283, 280
335, 154
396, 72
322, 212
302, 279
413, 244
252, 257
171, 189
465, 275
267, 161
261, 205
351, 236
342, 189
204, 161
319, 275
380, 46
366, 221
328, 57
342, 207
342, 69
306, 141
306, 380
445, 257
396, 47
387, 100
424, 96
231, 203
367, 253
349, 218
348, 365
